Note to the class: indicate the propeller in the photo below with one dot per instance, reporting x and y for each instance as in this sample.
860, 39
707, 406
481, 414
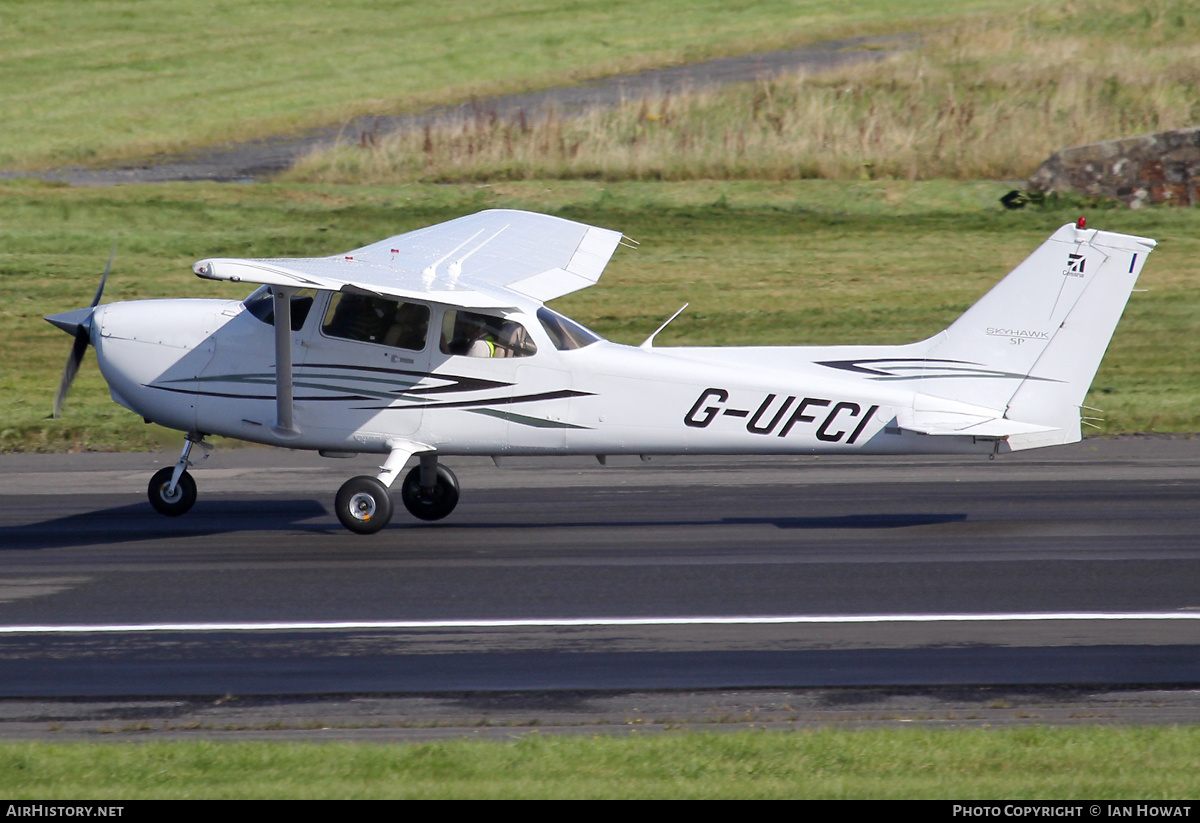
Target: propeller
79, 324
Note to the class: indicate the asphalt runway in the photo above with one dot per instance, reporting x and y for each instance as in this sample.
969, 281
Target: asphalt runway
1071, 568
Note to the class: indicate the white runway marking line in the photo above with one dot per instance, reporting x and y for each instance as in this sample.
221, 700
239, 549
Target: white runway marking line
597, 621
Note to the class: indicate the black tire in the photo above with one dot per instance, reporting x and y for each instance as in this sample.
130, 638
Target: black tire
430, 505
364, 505
171, 505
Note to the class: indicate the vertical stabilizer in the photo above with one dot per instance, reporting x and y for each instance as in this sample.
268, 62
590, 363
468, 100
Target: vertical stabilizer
1031, 345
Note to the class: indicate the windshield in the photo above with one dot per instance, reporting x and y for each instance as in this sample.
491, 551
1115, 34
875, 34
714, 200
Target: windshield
565, 332
262, 305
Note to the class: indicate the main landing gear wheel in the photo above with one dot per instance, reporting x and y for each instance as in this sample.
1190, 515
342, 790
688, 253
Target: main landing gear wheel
364, 505
172, 505
430, 504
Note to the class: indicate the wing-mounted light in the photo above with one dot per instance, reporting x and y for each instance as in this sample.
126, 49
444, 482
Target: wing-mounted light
264, 272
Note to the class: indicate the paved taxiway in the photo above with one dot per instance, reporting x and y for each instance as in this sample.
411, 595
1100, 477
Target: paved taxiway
1075, 565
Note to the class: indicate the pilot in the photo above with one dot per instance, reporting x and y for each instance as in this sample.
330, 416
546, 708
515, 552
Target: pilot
484, 345
478, 337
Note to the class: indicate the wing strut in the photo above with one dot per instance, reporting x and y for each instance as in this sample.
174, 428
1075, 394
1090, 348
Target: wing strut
285, 425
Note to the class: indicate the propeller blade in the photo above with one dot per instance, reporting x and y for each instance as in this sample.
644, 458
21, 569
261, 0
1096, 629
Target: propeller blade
79, 323
82, 335
104, 277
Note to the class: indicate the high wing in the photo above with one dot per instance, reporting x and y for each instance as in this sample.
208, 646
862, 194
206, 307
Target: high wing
493, 259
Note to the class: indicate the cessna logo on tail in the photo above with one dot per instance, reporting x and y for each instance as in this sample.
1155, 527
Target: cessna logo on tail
1074, 265
842, 419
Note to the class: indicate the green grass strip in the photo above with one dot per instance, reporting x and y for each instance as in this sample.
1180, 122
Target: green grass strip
1014, 764
795, 263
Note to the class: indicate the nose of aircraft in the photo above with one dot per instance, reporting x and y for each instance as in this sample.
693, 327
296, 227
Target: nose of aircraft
78, 324
71, 321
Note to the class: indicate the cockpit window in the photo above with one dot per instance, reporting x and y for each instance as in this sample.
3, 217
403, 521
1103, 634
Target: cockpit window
484, 335
262, 305
377, 320
565, 332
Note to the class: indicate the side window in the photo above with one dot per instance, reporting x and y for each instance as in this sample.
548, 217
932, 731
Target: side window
262, 305
377, 320
483, 335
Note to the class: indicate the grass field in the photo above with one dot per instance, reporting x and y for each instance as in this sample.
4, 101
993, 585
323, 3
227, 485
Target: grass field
110, 79
1143, 764
764, 254
989, 97
761, 262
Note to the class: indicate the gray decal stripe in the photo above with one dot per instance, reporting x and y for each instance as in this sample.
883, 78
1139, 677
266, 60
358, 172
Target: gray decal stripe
535, 422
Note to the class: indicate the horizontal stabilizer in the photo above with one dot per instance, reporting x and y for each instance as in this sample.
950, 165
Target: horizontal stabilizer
939, 416
966, 425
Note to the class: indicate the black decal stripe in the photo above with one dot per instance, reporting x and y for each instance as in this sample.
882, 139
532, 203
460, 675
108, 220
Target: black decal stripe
337, 392
524, 420
927, 369
457, 383
884, 363
340, 391
466, 404
235, 396
1004, 375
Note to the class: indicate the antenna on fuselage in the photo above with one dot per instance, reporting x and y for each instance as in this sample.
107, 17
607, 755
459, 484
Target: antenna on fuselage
649, 341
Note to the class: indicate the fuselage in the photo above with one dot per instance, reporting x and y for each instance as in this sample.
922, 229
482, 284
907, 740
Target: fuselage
208, 367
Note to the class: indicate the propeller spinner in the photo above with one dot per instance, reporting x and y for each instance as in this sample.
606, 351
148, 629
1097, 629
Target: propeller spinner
79, 324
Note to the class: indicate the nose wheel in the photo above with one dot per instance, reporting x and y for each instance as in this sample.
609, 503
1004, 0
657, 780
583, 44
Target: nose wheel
168, 501
172, 490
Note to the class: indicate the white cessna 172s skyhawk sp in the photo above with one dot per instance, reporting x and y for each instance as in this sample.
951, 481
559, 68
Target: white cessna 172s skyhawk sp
436, 343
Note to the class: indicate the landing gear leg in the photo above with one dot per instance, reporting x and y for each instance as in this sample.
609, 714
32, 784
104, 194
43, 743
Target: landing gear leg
172, 490
430, 491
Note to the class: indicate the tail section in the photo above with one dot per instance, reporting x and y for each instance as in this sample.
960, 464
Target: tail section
1033, 343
